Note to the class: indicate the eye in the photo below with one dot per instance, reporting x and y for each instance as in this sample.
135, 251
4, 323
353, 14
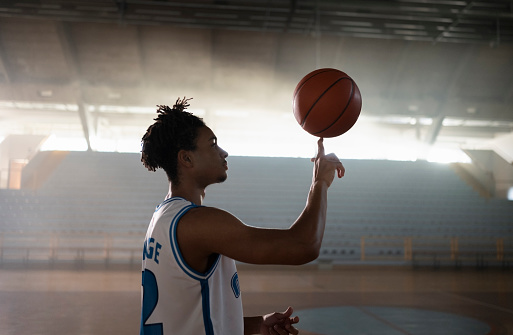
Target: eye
213, 139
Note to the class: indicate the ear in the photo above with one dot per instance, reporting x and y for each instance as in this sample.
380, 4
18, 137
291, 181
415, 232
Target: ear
185, 158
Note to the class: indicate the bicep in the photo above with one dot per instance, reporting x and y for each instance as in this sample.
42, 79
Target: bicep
220, 232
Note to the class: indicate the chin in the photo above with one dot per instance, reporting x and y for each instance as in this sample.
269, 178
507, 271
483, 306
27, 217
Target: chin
222, 178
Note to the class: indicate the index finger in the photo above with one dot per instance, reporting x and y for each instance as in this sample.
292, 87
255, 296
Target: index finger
291, 329
320, 147
287, 312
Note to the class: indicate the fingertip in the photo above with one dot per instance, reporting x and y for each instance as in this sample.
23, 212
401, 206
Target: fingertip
320, 147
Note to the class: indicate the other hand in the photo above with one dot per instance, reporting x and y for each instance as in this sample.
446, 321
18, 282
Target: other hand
279, 323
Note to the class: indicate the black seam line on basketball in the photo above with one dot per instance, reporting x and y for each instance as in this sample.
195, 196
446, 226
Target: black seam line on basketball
343, 111
319, 98
306, 115
303, 84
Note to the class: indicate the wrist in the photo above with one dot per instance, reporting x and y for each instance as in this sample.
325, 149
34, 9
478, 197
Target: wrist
253, 324
319, 185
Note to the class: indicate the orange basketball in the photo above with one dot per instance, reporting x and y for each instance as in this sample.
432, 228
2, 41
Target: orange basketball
327, 102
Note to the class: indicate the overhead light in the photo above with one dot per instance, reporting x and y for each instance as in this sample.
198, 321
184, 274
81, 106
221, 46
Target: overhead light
46, 93
38, 105
232, 113
114, 95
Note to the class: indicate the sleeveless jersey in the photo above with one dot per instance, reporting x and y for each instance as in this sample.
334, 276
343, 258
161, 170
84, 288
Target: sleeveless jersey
178, 300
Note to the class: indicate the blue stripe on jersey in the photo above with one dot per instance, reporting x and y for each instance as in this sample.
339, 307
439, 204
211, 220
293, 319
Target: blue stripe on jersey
201, 277
178, 254
205, 302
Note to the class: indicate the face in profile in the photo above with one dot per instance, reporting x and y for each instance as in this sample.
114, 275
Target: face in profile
209, 159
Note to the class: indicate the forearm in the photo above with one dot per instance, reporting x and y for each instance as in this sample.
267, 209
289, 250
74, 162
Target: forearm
309, 227
252, 324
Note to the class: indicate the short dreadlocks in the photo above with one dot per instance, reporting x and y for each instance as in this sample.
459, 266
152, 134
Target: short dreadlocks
174, 130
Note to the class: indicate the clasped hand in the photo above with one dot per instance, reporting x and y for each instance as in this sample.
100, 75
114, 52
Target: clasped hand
279, 323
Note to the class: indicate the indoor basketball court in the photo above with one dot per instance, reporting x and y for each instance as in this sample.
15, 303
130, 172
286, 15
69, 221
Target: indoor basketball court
414, 97
345, 300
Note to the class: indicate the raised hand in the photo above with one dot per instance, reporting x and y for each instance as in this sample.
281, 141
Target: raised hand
326, 165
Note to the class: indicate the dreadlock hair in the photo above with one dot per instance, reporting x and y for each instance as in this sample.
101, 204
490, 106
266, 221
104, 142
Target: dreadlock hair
174, 130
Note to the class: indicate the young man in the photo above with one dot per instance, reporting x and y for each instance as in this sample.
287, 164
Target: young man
190, 282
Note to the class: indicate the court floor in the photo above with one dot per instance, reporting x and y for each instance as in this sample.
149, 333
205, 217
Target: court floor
344, 300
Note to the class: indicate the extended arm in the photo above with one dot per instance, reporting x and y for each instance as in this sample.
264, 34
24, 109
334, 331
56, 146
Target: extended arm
309, 227
206, 231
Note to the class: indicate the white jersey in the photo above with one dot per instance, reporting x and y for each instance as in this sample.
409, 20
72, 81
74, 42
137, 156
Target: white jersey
177, 299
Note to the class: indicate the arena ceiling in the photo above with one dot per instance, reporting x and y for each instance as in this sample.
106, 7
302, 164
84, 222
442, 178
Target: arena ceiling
435, 72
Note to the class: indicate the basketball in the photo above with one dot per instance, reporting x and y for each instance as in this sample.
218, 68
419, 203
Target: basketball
327, 102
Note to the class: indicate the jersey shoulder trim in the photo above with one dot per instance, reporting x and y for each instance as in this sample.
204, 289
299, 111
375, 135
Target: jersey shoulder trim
170, 200
178, 254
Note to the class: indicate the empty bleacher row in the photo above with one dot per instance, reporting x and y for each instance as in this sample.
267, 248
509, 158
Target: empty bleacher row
379, 210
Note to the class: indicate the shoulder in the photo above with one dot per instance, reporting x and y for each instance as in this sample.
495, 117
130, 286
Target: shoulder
204, 231
204, 224
209, 215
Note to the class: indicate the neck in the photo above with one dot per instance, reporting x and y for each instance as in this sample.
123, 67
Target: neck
194, 195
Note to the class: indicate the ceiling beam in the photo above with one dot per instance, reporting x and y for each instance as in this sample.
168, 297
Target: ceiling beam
4, 72
459, 70
397, 71
71, 56
140, 55
85, 120
455, 77
454, 21
290, 15
434, 131
69, 50
5, 69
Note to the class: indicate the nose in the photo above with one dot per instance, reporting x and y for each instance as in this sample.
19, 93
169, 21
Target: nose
223, 153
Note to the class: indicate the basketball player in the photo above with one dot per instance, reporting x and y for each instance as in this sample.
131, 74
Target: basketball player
189, 281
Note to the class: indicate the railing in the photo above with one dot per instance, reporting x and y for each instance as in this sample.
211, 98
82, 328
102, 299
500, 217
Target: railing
421, 250
126, 248
74, 247
437, 251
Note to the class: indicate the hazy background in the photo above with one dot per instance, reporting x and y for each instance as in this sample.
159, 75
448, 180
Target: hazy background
436, 77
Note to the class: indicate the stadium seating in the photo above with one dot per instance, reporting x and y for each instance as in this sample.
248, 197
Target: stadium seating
381, 211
